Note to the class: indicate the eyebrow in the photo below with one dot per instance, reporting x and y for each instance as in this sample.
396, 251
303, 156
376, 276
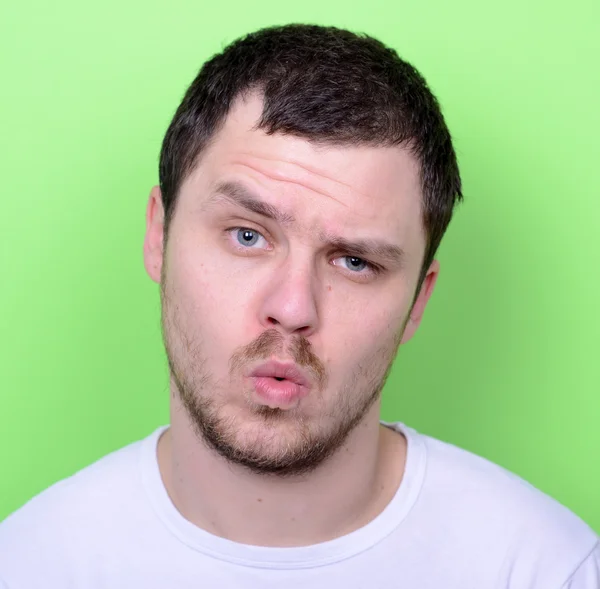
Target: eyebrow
240, 195
368, 248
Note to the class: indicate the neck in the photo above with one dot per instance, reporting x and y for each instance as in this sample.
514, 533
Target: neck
342, 495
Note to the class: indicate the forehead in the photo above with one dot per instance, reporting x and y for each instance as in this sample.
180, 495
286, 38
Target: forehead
375, 189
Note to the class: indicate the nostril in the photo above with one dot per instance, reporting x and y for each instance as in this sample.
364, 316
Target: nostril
273, 321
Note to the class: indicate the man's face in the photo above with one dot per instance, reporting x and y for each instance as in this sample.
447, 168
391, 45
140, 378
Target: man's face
281, 250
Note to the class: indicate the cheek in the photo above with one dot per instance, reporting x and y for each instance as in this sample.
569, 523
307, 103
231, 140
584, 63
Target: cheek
363, 335
214, 296
200, 275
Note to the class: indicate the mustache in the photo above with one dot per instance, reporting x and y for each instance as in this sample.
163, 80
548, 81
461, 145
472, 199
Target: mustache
270, 342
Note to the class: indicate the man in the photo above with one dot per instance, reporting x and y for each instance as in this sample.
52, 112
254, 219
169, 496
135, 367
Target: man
306, 181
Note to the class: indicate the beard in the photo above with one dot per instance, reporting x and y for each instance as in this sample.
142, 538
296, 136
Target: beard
262, 439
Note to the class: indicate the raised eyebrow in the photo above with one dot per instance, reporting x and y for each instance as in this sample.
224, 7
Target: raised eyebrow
240, 195
368, 248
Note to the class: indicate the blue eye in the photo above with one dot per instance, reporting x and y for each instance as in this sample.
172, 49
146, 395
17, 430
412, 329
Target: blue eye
361, 270
247, 237
355, 264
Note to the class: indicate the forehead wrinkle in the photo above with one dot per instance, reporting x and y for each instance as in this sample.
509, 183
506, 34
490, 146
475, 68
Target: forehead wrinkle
280, 174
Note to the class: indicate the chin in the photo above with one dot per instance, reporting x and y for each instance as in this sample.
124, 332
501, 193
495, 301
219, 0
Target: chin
268, 443
265, 440
272, 425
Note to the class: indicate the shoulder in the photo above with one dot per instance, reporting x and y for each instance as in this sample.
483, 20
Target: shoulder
499, 511
72, 511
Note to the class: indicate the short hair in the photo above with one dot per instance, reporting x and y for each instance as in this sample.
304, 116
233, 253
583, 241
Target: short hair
328, 85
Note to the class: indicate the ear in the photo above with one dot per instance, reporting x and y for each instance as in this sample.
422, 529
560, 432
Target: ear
153, 241
416, 313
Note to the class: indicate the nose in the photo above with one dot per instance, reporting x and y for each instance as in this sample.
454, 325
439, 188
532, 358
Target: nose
289, 302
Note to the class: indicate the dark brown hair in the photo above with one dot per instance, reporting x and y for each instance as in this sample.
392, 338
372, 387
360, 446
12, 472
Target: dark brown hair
327, 85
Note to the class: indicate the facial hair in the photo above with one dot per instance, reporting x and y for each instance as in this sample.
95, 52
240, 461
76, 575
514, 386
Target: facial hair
273, 451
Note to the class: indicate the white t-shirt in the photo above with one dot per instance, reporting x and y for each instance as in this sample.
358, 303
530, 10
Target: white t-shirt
457, 521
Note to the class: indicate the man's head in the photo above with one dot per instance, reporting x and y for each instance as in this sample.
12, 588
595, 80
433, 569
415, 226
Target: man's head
306, 181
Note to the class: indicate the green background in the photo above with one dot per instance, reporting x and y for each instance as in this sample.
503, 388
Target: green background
506, 362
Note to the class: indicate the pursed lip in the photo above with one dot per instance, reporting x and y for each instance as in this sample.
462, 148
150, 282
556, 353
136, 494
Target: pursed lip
274, 369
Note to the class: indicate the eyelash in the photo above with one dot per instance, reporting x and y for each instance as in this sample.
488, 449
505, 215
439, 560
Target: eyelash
374, 269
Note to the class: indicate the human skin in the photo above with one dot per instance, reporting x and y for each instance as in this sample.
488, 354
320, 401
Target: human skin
219, 296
